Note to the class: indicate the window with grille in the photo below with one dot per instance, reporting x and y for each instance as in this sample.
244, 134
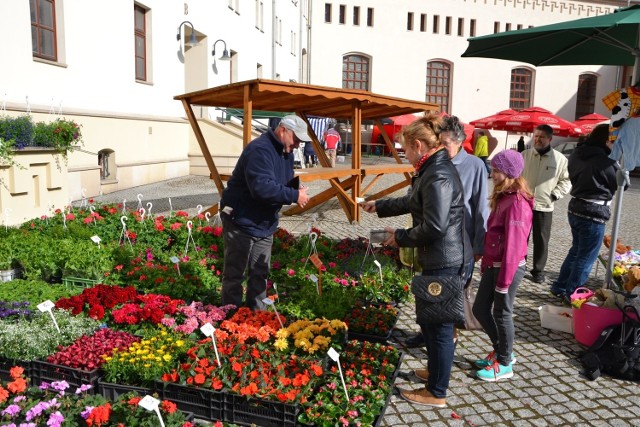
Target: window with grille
140, 35
369, 17
43, 29
356, 15
586, 96
520, 92
327, 13
423, 22
355, 72
439, 84
342, 16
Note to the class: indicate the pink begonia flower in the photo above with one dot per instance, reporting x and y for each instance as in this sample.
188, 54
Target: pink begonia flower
291, 272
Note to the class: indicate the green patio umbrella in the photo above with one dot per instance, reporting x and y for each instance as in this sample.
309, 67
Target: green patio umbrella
610, 39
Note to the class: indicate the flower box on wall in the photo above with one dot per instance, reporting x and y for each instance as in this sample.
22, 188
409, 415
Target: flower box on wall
49, 372
204, 403
265, 413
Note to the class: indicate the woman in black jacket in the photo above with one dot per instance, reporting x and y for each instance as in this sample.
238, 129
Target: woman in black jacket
593, 184
436, 205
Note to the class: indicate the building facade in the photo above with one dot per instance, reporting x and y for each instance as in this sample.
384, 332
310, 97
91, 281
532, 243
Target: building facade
115, 66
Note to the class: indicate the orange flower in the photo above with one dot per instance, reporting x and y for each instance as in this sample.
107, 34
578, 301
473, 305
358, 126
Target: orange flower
17, 386
249, 390
16, 372
4, 394
199, 379
168, 407
134, 400
216, 384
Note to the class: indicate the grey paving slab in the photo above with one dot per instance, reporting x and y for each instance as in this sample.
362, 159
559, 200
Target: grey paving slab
547, 388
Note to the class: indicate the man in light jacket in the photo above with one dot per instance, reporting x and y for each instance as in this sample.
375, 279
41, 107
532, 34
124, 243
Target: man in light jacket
545, 170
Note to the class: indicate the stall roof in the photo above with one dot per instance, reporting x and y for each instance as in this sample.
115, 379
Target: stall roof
272, 95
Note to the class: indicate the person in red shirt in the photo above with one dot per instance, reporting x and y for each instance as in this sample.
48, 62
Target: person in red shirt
331, 141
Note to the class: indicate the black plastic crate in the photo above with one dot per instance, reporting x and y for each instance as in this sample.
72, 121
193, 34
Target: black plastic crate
48, 372
7, 364
394, 375
204, 403
112, 391
265, 413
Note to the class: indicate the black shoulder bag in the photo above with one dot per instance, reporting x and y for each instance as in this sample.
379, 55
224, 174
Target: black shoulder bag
439, 299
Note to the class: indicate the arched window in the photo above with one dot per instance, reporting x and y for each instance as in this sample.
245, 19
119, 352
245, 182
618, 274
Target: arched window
520, 91
438, 89
355, 72
586, 97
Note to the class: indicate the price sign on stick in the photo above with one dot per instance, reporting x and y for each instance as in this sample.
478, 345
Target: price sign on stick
314, 279
150, 403
268, 302
377, 263
48, 306
96, 239
315, 260
209, 331
333, 354
174, 259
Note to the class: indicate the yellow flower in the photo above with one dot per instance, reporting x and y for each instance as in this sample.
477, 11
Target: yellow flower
281, 344
167, 357
179, 343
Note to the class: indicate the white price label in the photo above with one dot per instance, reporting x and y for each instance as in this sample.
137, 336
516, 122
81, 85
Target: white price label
333, 354
96, 239
360, 200
313, 278
267, 301
46, 306
175, 259
149, 403
207, 329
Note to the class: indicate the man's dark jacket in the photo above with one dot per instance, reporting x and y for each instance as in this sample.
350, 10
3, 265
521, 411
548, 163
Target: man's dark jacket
258, 188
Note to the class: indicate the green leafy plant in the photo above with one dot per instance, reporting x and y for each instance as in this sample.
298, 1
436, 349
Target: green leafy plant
34, 291
37, 338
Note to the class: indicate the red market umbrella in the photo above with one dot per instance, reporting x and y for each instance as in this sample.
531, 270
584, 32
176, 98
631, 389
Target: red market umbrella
590, 121
487, 122
530, 118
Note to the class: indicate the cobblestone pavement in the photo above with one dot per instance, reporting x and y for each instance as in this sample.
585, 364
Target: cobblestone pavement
547, 388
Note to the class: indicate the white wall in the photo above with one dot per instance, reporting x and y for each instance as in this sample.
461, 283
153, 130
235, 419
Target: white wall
480, 85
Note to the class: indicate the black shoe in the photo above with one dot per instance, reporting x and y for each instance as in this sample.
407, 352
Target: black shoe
415, 341
538, 278
558, 294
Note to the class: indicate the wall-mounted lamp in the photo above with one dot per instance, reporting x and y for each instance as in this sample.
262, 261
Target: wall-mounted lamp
225, 53
192, 40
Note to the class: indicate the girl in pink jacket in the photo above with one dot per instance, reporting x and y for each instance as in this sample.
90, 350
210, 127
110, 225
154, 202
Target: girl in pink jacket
503, 262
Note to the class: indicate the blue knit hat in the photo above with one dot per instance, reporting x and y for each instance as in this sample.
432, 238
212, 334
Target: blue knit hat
509, 162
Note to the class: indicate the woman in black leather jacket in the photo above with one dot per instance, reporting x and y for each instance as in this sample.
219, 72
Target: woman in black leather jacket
436, 205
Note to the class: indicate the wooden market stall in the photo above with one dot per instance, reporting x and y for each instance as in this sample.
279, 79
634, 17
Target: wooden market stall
307, 100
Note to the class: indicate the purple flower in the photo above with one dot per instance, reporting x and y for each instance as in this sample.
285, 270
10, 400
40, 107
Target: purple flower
44, 386
55, 419
87, 411
19, 399
36, 411
11, 410
60, 385
83, 388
